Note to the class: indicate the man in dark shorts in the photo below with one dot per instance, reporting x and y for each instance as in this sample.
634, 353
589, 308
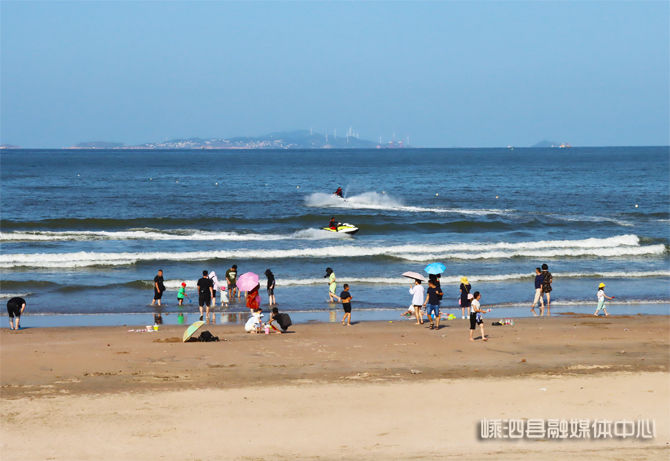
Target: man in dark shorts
205, 292
433, 302
159, 288
231, 278
346, 298
546, 286
15, 308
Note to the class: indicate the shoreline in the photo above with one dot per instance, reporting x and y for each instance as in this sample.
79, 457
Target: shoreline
376, 390
332, 315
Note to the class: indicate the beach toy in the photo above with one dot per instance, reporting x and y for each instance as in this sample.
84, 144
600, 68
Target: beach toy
155, 327
267, 330
149, 327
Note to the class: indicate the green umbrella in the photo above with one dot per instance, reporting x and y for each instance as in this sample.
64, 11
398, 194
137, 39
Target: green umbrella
195, 326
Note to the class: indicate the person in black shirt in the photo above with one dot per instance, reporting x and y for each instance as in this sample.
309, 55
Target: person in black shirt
159, 288
283, 320
547, 280
271, 287
15, 308
346, 298
205, 292
539, 278
433, 301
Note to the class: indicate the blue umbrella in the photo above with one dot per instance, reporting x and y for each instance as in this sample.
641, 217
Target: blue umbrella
435, 268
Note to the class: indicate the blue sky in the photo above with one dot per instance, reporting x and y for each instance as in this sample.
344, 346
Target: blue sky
444, 73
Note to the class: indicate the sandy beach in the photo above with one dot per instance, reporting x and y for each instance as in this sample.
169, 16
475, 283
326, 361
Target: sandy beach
376, 390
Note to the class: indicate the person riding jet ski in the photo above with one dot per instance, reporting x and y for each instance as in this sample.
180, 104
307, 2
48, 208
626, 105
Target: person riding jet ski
339, 192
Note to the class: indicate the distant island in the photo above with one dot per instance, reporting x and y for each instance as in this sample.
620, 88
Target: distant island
300, 139
545, 143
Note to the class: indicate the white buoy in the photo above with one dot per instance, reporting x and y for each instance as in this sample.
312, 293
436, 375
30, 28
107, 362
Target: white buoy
297, 187
177, 181
78, 175
216, 183
150, 179
437, 194
636, 205
496, 196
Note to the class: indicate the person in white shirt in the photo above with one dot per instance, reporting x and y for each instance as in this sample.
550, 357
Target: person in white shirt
601, 300
475, 319
254, 324
416, 290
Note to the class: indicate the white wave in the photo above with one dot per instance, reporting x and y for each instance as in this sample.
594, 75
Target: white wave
14, 295
622, 245
377, 201
595, 219
155, 234
444, 280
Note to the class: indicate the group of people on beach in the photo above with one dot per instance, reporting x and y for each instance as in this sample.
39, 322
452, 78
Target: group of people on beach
433, 298
207, 287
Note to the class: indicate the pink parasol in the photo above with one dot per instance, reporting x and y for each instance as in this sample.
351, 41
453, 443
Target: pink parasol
247, 281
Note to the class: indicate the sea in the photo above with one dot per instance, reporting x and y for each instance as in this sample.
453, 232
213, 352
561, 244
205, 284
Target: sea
83, 232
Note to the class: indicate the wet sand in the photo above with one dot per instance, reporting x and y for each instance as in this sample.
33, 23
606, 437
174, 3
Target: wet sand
375, 390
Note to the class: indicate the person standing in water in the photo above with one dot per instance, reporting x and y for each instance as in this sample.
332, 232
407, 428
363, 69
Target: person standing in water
231, 278
205, 292
332, 284
546, 286
539, 278
465, 300
271, 287
159, 288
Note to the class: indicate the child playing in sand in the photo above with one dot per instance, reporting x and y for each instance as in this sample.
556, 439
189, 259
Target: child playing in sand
254, 324
601, 300
181, 293
476, 315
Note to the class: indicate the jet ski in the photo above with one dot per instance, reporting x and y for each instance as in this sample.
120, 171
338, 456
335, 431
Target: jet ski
343, 227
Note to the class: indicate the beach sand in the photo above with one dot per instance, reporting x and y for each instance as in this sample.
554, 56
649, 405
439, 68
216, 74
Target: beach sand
375, 390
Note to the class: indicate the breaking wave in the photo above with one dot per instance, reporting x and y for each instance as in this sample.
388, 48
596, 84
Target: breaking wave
622, 245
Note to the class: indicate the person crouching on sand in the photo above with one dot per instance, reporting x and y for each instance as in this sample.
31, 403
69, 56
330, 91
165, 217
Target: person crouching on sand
476, 316
602, 304
254, 324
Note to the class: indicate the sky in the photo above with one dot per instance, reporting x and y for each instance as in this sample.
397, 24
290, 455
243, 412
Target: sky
444, 74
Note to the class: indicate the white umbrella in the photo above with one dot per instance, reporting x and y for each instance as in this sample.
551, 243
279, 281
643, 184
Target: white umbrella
414, 275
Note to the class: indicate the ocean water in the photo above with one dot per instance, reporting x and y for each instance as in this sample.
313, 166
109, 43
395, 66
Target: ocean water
83, 232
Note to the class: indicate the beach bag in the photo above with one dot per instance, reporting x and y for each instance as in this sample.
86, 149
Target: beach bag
207, 337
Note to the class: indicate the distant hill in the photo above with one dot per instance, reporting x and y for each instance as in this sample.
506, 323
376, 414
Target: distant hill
99, 145
300, 139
